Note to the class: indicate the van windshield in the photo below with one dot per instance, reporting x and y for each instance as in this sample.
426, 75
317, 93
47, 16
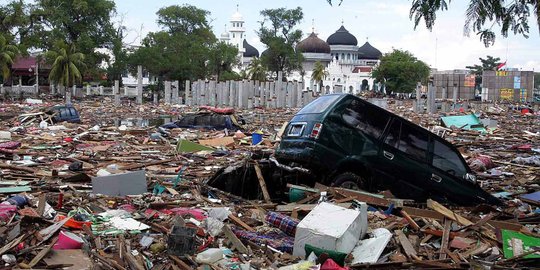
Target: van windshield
319, 105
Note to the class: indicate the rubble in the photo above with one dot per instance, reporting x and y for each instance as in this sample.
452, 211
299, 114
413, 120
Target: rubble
105, 195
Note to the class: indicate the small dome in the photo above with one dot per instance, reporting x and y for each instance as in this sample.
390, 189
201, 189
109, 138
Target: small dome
225, 35
237, 17
249, 51
313, 44
369, 52
342, 37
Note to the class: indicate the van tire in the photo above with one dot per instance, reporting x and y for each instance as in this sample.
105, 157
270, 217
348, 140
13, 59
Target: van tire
349, 180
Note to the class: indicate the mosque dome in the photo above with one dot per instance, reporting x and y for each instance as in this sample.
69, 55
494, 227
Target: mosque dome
369, 52
225, 36
249, 51
313, 44
342, 37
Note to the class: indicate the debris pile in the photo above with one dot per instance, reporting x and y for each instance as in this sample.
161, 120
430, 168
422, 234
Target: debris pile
103, 195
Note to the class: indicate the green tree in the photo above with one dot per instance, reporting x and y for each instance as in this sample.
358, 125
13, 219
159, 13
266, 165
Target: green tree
8, 52
221, 58
481, 16
256, 70
66, 63
400, 71
318, 75
490, 63
21, 22
119, 64
281, 37
180, 51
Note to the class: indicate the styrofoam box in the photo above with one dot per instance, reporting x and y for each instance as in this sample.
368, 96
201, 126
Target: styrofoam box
331, 227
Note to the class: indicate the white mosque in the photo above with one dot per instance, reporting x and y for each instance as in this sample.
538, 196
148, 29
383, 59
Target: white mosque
348, 66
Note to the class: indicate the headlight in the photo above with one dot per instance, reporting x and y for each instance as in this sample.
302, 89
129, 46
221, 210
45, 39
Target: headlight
471, 177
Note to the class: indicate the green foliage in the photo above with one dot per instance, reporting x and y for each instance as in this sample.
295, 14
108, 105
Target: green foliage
180, 51
400, 71
481, 16
120, 54
221, 58
8, 52
490, 63
230, 76
256, 70
281, 37
319, 73
65, 64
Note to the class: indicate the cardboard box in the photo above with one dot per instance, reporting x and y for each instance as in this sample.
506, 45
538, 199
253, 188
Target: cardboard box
331, 227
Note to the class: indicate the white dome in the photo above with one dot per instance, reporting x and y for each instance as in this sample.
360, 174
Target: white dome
225, 35
237, 17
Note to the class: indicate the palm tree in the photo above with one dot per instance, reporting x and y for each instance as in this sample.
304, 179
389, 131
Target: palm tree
66, 62
256, 70
7, 55
319, 73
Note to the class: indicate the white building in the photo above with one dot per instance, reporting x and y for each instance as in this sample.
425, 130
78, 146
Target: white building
347, 65
236, 35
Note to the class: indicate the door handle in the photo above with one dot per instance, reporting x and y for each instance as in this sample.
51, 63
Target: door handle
388, 155
436, 178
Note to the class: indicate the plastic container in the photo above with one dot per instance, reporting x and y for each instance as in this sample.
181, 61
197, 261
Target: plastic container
181, 241
209, 256
68, 240
72, 223
256, 137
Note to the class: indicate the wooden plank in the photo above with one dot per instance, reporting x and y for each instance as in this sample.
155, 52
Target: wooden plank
42, 253
236, 243
240, 223
407, 246
445, 237
410, 220
180, 263
303, 207
262, 183
11, 244
425, 213
448, 213
41, 204
141, 165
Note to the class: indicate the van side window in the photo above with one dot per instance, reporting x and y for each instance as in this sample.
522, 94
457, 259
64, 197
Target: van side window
446, 159
408, 139
368, 119
73, 112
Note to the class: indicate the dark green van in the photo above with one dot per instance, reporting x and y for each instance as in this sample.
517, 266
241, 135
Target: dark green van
348, 142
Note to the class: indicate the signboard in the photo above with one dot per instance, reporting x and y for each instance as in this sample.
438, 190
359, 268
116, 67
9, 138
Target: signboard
523, 95
501, 73
470, 81
506, 94
517, 82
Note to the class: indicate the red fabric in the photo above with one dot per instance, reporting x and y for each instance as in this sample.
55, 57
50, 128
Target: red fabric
501, 65
218, 110
331, 265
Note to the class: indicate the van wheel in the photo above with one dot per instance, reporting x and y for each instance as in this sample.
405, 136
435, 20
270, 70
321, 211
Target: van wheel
349, 180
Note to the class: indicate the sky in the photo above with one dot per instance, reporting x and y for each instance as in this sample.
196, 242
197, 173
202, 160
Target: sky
384, 23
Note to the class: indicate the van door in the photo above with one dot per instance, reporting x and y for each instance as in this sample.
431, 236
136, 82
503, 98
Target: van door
447, 179
403, 156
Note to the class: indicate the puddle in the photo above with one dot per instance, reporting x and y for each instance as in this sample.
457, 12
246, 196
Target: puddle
142, 122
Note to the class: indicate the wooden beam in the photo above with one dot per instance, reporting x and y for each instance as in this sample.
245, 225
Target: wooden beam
262, 183
236, 243
240, 223
445, 237
407, 246
42, 253
448, 213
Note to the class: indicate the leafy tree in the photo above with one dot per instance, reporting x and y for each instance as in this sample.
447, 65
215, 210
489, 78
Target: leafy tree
400, 71
256, 70
66, 63
281, 38
221, 58
490, 63
481, 16
21, 22
319, 73
120, 62
180, 51
8, 52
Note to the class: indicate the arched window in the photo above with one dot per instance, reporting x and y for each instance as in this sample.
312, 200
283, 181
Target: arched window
233, 35
348, 56
351, 89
